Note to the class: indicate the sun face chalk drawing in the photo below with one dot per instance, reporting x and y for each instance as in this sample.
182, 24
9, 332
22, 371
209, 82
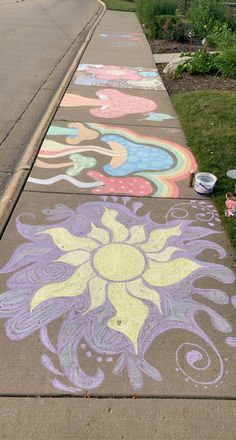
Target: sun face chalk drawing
118, 76
118, 281
112, 104
128, 158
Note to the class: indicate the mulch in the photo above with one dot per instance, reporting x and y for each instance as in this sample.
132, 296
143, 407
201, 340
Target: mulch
169, 46
188, 83
191, 83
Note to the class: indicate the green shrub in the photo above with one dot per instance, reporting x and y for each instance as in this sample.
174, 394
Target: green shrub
183, 6
201, 62
148, 9
226, 63
205, 14
222, 37
231, 20
168, 27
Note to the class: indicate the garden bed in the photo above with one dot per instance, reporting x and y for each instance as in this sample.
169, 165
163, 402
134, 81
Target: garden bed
169, 46
190, 83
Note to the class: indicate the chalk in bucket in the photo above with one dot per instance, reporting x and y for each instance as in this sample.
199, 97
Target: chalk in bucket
204, 183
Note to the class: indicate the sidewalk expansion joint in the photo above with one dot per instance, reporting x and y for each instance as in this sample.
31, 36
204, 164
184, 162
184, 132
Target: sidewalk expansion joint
182, 199
108, 396
123, 124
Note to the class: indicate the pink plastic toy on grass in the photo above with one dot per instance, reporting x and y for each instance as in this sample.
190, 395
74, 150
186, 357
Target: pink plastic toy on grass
230, 205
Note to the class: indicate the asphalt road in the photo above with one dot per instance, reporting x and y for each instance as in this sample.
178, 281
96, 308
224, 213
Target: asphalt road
38, 40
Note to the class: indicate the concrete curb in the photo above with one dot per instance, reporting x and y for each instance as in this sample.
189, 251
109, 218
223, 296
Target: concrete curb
22, 170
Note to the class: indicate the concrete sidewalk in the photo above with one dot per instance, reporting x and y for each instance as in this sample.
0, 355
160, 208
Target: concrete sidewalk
115, 279
38, 41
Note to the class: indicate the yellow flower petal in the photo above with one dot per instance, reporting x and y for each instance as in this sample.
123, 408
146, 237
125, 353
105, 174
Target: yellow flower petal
119, 231
164, 255
138, 288
167, 274
97, 290
137, 234
65, 241
75, 258
130, 315
99, 234
159, 237
74, 286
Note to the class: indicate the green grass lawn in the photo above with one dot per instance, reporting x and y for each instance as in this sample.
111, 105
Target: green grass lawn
121, 5
208, 120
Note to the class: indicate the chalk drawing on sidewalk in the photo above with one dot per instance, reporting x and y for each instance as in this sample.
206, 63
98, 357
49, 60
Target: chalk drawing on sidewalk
133, 36
128, 157
120, 39
60, 177
118, 76
115, 104
119, 280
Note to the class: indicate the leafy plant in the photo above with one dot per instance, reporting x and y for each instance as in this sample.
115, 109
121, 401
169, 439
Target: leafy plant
226, 62
201, 62
205, 14
222, 36
183, 6
169, 27
148, 9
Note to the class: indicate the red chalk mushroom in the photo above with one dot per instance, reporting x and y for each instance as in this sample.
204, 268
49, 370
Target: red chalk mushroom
135, 186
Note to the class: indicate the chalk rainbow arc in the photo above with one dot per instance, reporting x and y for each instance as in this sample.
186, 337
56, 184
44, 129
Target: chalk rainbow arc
165, 181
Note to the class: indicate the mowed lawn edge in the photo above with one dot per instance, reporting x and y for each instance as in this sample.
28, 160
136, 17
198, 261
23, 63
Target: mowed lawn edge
208, 120
121, 5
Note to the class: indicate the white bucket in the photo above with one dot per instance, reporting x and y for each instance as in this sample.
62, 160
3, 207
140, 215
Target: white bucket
204, 183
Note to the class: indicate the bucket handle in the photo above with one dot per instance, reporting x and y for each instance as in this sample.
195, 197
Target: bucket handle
201, 184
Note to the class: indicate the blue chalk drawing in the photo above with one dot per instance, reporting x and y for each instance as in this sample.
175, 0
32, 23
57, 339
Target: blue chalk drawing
140, 157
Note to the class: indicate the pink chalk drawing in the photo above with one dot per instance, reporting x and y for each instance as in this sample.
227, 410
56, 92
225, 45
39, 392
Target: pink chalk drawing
111, 72
110, 103
118, 77
132, 186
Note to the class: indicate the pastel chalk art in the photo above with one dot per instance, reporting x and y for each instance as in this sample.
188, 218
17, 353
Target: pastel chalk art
120, 39
111, 104
118, 281
133, 164
118, 76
